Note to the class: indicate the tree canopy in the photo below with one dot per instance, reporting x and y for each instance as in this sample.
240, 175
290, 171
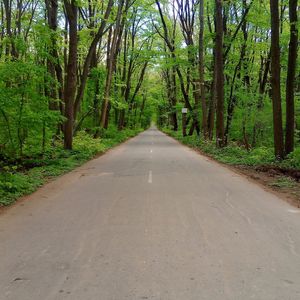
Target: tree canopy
70, 66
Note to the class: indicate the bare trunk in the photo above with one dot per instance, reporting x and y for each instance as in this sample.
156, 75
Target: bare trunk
173, 98
71, 77
219, 65
51, 8
290, 80
115, 44
89, 57
201, 68
275, 81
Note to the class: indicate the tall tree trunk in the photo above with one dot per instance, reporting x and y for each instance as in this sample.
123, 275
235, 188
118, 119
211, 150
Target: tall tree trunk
108, 82
275, 81
173, 97
10, 47
211, 109
51, 91
90, 57
241, 66
186, 14
219, 65
201, 68
71, 72
115, 45
290, 80
170, 43
2, 28
142, 107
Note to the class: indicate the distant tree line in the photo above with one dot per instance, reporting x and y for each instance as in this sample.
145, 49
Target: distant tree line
235, 66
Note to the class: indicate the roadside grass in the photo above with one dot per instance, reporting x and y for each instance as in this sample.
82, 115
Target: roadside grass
283, 182
25, 176
258, 163
236, 155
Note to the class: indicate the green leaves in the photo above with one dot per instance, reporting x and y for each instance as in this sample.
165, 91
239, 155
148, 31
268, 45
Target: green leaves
24, 109
19, 180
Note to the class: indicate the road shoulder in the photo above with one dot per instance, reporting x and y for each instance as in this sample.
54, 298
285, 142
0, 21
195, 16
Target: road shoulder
271, 181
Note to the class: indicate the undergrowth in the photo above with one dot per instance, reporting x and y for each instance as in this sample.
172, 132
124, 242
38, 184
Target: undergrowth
283, 182
236, 155
25, 175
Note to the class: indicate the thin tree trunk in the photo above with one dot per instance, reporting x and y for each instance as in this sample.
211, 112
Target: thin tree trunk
108, 83
173, 98
275, 81
169, 41
201, 68
10, 47
290, 80
219, 65
115, 45
242, 65
71, 77
89, 58
51, 91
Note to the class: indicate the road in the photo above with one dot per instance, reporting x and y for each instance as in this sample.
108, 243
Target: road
150, 219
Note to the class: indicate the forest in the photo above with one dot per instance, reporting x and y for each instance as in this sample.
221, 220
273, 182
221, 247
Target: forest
79, 76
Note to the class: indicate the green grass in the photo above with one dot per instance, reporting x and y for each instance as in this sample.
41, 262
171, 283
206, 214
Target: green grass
236, 155
283, 182
18, 179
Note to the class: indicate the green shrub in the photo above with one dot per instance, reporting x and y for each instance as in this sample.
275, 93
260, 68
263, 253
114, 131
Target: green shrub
236, 155
293, 159
18, 180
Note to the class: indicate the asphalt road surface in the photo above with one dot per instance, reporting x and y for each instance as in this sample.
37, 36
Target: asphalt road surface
151, 219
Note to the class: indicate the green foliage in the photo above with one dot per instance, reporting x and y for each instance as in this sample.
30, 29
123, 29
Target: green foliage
283, 182
24, 113
236, 155
15, 184
20, 179
293, 159
33, 56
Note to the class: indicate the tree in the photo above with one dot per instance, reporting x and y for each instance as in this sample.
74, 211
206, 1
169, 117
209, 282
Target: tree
201, 68
114, 43
169, 39
219, 74
91, 54
53, 61
290, 79
71, 72
275, 80
101, 66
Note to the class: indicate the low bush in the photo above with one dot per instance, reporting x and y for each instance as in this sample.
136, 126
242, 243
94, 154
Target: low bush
24, 176
236, 155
